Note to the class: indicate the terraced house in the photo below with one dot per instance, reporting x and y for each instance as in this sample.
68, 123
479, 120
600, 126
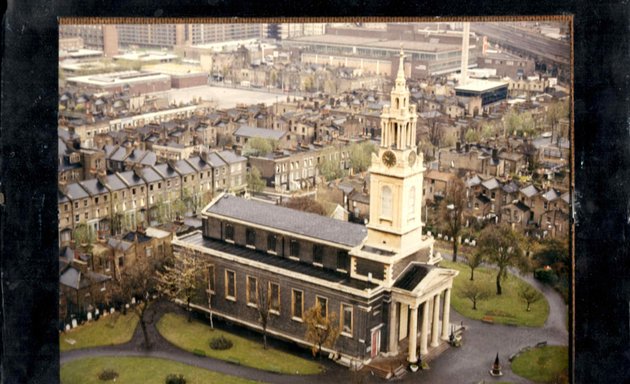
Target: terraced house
382, 281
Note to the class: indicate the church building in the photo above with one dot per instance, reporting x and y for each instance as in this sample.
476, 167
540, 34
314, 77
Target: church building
381, 280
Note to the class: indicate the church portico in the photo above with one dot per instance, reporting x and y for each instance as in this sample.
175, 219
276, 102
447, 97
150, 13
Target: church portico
417, 311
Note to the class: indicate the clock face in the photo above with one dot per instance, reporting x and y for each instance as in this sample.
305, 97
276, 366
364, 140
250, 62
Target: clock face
412, 158
389, 158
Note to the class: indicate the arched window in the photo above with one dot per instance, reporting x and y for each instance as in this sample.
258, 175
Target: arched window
397, 103
412, 203
386, 202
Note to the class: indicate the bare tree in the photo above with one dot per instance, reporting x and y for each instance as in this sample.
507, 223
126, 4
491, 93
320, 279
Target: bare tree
475, 292
530, 295
474, 260
183, 279
306, 204
138, 281
436, 132
321, 331
502, 245
263, 305
452, 211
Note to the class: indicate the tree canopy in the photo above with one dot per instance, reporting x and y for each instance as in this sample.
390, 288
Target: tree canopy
255, 182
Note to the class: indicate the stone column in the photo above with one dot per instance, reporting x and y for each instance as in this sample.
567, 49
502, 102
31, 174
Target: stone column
436, 319
425, 328
446, 314
413, 334
393, 326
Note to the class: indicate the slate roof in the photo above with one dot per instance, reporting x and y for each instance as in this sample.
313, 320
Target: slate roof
119, 244
150, 175
475, 180
184, 168
278, 262
290, 220
566, 197
491, 184
412, 277
149, 159
198, 163
119, 154
247, 131
510, 187
166, 171
529, 191
131, 237
73, 278
94, 187
550, 195
115, 183
75, 191
483, 199
215, 160
231, 157
131, 178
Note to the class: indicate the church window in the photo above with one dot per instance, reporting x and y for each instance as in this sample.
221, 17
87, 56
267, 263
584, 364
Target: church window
322, 302
343, 261
297, 300
271, 243
230, 285
294, 248
346, 320
318, 254
252, 291
229, 232
386, 202
250, 237
274, 298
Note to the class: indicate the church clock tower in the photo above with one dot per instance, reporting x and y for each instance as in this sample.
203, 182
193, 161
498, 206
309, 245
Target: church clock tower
396, 176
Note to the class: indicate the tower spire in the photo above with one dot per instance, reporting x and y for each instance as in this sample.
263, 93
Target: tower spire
401, 66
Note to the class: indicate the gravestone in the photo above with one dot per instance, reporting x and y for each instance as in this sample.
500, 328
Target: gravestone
68, 327
89, 316
112, 310
133, 300
74, 323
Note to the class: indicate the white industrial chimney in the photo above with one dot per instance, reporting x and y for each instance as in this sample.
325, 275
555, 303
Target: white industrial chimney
465, 41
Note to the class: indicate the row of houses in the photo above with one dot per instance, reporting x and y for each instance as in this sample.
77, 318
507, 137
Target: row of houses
117, 202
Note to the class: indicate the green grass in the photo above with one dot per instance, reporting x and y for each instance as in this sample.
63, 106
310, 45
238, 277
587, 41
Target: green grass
109, 330
507, 308
542, 365
196, 336
132, 370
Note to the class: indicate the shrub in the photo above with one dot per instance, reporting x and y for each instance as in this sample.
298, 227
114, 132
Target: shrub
107, 375
220, 343
175, 379
199, 352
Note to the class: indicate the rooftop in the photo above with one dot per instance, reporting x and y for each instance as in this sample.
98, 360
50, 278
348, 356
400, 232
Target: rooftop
279, 262
412, 277
289, 220
264, 133
481, 86
118, 78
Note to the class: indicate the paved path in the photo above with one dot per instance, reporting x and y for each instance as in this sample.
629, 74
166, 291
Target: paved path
471, 362
161, 348
468, 364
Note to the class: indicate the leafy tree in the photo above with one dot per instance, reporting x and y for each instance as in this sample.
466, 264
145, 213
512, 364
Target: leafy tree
361, 155
255, 182
320, 331
183, 279
554, 253
555, 112
452, 211
474, 260
436, 132
502, 246
179, 208
471, 136
84, 236
258, 146
530, 295
475, 292
330, 166
305, 204
138, 280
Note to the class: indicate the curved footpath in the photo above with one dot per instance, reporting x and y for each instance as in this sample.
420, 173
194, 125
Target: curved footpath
468, 364
481, 342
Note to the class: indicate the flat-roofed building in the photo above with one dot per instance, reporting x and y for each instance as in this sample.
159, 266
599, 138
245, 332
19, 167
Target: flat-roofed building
482, 95
134, 82
182, 75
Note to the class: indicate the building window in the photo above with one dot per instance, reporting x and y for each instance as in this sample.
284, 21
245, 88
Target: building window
294, 248
318, 254
274, 298
121, 261
229, 232
250, 238
343, 261
386, 202
297, 300
545, 205
271, 243
322, 302
211, 278
149, 251
346, 320
230, 285
252, 291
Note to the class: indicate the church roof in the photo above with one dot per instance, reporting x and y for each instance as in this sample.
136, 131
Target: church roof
412, 277
289, 220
